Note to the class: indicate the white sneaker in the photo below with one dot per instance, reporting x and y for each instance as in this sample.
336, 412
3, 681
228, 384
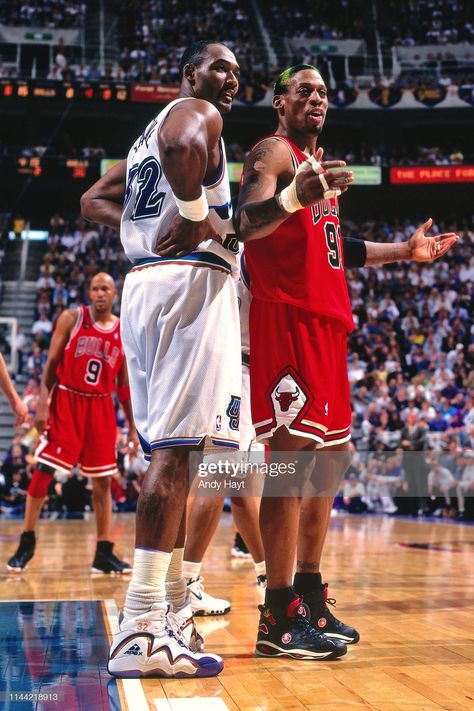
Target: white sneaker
182, 624
144, 646
204, 604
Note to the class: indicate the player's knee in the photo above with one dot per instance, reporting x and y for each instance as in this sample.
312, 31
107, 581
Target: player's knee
39, 484
101, 484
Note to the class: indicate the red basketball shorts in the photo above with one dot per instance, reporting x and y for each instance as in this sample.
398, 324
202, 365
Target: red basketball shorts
298, 373
82, 430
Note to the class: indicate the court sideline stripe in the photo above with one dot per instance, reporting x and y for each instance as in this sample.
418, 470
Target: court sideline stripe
132, 688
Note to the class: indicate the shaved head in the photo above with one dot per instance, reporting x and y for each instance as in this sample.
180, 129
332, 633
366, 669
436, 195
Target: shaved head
101, 277
102, 292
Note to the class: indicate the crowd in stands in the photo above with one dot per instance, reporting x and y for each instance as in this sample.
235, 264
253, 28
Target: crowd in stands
364, 154
426, 22
51, 14
411, 365
358, 153
333, 20
155, 33
410, 368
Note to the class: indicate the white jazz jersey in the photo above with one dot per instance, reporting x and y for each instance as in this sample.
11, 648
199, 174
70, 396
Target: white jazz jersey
150, 207
180, 316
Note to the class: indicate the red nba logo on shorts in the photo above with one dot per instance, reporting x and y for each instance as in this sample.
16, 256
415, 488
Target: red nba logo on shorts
322, 622
286, 638
218, 423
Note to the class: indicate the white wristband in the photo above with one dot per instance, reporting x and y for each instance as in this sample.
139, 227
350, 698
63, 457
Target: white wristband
289, 198
195, 210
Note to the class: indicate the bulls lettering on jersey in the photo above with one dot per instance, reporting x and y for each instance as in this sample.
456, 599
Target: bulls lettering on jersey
301, 262
92, 357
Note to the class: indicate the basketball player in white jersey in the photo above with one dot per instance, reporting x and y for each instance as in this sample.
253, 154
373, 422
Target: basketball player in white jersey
180, 330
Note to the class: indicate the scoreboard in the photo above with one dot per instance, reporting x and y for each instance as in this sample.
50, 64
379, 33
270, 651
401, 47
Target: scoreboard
86, 91
52, 167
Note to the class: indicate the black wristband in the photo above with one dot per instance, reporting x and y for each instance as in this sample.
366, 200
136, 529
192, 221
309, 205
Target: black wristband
355, 252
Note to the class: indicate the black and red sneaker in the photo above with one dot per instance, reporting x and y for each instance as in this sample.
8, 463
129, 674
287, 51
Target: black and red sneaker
290, 634
324, 621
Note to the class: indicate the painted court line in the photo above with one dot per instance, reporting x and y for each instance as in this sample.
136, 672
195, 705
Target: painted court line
132, 688
198, 703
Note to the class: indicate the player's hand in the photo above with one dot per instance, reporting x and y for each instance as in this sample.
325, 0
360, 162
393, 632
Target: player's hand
42, 417
20, 410
426, 249
309, 187
183, 236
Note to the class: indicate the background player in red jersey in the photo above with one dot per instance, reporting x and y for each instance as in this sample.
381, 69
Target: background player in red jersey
299, 319
85, 365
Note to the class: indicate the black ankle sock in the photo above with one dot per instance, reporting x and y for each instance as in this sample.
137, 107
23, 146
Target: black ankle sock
307, 582
104, 546
30, 535
279, 598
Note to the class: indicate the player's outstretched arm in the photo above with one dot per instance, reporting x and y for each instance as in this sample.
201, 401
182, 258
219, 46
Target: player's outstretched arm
64, 326
17, 406
271, 192
102, 203
419, 248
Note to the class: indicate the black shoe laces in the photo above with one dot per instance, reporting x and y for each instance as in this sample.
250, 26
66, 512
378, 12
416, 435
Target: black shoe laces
310, 631
337, 623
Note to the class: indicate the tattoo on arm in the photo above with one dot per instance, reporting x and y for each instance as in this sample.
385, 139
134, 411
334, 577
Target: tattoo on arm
383, 253
256, 219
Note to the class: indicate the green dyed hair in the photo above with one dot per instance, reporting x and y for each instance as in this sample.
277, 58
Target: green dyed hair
281, 84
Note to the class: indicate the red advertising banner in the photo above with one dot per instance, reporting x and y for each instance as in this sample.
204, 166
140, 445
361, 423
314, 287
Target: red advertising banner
153, 93
432, 174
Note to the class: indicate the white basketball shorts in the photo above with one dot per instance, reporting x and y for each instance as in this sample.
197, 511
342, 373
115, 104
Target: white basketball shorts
181, 336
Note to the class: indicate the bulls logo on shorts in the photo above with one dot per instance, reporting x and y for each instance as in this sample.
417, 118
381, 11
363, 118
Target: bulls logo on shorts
287, 396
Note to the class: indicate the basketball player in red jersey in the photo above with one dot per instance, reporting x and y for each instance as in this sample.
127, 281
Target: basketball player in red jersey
299, 319
85, 365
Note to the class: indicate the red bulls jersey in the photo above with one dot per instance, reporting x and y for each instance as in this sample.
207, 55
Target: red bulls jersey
301, 262
92, 357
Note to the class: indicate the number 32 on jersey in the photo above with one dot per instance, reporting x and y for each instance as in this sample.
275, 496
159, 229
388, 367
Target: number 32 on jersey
149, 200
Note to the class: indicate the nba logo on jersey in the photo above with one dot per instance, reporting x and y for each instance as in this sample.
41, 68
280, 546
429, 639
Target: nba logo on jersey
218, 423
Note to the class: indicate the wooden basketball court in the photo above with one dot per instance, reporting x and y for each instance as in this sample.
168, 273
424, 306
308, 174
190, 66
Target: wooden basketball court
413, 606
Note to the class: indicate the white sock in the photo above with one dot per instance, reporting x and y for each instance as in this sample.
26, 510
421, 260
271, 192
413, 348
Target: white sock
191, 570
175, 570
260, 568
175, 581
147, 585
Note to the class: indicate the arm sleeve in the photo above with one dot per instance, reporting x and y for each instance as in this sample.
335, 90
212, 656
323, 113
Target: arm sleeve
355, 252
